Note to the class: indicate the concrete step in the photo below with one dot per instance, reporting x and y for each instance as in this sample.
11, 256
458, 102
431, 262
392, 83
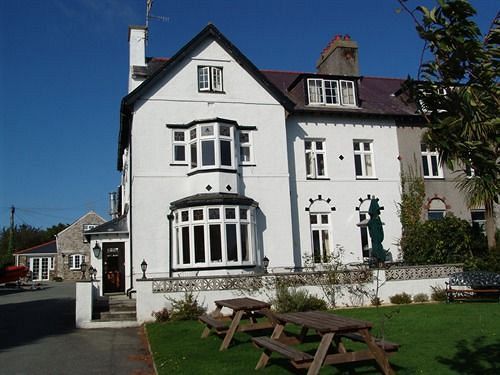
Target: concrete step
112, 316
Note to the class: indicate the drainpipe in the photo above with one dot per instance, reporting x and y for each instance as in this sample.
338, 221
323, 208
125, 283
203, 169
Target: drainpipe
170, 218
130, 205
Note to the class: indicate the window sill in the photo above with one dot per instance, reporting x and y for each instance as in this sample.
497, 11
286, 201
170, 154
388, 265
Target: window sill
178, 164
211, 92
318, 178
212, 170
366, 178
433, 178
247, 165
201, 268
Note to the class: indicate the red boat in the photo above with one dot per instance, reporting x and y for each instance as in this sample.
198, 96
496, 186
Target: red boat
12, 273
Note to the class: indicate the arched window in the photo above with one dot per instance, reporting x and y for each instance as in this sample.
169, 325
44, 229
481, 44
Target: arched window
436, 210
321, 238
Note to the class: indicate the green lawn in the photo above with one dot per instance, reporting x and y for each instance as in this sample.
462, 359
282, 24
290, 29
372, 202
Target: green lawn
434, 338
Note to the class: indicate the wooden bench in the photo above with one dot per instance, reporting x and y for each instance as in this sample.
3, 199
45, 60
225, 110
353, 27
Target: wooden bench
387, 346
289, 352
473, 285
220, 326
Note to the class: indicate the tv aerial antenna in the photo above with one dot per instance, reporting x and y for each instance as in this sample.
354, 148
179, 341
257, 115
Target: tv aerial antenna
150, 16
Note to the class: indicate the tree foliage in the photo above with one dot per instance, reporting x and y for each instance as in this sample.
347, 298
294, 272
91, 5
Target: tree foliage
458, 94
25, 236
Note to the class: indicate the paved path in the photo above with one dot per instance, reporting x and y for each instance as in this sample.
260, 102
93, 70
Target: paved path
38, 336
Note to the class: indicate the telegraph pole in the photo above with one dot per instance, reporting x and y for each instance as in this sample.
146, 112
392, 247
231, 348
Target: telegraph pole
11, 234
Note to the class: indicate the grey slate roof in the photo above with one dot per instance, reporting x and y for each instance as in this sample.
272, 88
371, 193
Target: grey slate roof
207, 199
45, 248
118, 225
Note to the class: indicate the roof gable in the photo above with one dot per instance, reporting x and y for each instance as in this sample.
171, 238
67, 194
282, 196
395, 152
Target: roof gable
209, 32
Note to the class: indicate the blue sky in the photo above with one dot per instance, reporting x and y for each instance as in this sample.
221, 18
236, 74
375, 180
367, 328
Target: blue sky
63, 72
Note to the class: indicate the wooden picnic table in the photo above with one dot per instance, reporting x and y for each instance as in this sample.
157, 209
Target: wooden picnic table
332, 329
244, 318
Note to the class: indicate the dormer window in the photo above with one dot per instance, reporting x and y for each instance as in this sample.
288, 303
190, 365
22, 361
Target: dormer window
210, 79
326, 92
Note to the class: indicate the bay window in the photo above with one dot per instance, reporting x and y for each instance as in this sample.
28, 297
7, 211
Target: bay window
214, 236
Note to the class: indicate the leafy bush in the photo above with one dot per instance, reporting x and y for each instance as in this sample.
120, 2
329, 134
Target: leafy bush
438, 294
186, 308
448, 240
58, 279
161, 316
421, 297
376, 301
296, 300
400, 299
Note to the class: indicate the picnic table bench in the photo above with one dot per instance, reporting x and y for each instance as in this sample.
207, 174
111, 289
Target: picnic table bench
331, 329
473, 285
244, 318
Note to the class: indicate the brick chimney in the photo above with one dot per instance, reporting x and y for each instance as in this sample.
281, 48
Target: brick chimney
340, 57
137, 36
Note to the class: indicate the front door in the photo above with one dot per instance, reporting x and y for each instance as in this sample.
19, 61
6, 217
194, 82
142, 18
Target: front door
113, 267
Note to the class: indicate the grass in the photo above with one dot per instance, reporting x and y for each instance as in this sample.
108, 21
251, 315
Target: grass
435, 339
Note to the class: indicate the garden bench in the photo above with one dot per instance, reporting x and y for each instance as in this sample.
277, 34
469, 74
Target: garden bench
386, 346
289, 352
217, 324
473, 285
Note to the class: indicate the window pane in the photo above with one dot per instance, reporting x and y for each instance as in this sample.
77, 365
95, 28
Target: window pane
316, 247
314, 219
366, 146
244, 241
307, 145
319, 145
325, 236
230, 213
356, 146
203, 81
215, 243
231, 242
224, 130
434, 161
213, 213
225, 153
425, 166
357, 165
197, 214
368, 165
216, 79
309, 163
179, 153
185, 215
185, 246
324, 219
245, 153
207, 153
207, 130
192, 134
321, 164
194, 156
199, 244
244, 137
243, 214
179, 136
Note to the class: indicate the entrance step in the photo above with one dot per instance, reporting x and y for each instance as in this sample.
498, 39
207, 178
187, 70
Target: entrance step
114, 308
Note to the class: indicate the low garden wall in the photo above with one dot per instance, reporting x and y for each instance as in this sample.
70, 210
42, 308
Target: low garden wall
356, 287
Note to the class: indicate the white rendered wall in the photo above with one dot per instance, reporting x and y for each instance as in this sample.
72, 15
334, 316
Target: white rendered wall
342, 187
156, 183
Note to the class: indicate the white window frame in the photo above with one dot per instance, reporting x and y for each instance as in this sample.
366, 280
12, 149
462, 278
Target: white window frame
222, 220
73, 264
85, 228
179, 143
210, 79
350, 98
312, 158
430, 159
319, 252
363, 156
246, 145
329, 92
216, 139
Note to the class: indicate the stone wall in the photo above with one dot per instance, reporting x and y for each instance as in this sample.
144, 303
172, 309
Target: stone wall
71, 241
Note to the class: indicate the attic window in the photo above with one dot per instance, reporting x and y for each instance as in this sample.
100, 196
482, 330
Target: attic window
210, 79
326, 92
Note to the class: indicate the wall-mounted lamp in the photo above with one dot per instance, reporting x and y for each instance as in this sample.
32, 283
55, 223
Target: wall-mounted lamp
265, 263
92, 273
144, 267
83, 268
97, 250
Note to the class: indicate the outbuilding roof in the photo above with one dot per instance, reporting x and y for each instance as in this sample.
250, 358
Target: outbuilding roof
44, 248
118, 225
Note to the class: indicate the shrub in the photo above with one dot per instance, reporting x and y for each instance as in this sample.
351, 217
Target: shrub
438, 294
421, 297
296, 300
58, 279
376, 301
186, 308
161, 316
400, 299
